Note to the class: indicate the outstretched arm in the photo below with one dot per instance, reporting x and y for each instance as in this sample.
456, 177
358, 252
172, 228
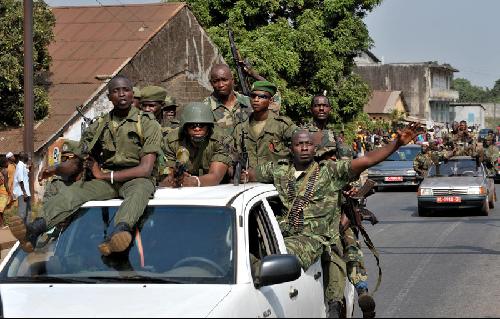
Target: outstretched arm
404, 137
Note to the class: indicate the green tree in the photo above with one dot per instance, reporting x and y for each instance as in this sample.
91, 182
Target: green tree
305, 46
468, 92
11, 60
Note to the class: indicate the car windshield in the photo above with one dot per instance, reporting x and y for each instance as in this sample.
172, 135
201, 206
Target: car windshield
456, 168
172, 244
404, 154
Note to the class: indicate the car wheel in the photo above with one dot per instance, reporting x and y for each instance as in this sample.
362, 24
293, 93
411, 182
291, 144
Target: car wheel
422, 212
485, 210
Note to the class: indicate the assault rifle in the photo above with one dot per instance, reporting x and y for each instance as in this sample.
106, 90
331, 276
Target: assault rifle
237, 59
87, 172
181, 162
241, 163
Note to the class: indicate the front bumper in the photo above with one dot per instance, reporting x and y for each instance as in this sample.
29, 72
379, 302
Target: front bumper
467, 201
407, 181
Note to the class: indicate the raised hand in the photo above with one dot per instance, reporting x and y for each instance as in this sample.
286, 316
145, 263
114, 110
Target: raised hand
409, 133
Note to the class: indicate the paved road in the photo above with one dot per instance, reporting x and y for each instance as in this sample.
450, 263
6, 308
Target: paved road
445, 266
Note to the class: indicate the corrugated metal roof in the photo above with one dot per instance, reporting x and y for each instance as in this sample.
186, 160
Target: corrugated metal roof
89, 41
381, 101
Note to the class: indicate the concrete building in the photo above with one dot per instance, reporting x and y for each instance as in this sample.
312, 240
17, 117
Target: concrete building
160, 44
425, 86
383, 103
473, 113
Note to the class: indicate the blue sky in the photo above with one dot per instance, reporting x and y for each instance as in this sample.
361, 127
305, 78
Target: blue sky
459, 32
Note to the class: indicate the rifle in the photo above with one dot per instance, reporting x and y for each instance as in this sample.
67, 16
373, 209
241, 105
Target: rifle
356, 212
181, 166
87, 173
237, 59
242, 162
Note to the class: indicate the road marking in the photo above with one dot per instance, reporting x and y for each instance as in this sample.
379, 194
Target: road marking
403, 293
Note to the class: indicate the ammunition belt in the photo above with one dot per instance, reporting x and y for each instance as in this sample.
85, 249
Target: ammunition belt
296, 214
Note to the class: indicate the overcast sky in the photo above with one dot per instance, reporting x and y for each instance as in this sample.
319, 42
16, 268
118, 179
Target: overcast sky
462, 33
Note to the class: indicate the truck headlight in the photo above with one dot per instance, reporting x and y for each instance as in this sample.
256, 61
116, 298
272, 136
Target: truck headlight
476, 190
425, 192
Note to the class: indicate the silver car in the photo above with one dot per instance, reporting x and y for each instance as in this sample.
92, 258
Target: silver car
459, 183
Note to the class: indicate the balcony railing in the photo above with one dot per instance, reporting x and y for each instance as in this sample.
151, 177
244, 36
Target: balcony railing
443, 94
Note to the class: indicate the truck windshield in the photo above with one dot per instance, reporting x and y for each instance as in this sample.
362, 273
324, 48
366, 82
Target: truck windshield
404, 154
172, 244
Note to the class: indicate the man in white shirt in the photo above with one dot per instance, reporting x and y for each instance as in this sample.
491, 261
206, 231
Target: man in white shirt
21, 189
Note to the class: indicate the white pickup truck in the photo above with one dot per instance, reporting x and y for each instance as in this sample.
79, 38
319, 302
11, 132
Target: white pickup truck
191, 257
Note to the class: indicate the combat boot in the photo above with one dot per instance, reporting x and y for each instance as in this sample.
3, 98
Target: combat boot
119, 241
366, 303
333, 309
27, 234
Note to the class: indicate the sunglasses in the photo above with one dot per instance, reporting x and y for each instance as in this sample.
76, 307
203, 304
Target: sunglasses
260, 96
66, 157
195, 125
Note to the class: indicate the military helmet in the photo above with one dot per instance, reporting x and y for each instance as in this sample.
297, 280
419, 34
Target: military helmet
196, 112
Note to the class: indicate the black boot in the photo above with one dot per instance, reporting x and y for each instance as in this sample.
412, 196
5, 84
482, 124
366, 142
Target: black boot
119, 241
27, 234
333, 309
366, 303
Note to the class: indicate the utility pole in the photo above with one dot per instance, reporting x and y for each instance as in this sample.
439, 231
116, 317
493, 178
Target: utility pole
28, 143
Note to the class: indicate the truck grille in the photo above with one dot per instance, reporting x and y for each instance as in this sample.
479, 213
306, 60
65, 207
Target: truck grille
447, 191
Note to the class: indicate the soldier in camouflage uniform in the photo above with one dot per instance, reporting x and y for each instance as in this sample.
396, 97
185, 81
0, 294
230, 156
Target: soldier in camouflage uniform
309, 190
324, 138
125, 143
266, 134
229, 107
422, 161
209, 156
489, 155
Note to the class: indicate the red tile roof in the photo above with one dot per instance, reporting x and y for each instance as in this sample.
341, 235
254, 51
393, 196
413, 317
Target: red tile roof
89, 41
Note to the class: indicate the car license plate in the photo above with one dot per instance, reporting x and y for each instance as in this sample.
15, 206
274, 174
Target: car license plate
394, 179
449, 199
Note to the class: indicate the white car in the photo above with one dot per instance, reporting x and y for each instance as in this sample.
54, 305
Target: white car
191, 257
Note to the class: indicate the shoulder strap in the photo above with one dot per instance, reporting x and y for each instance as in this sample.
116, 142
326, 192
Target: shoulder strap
100, 128
139, 127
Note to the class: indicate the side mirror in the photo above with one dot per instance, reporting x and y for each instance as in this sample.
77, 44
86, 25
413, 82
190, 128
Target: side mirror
277, 269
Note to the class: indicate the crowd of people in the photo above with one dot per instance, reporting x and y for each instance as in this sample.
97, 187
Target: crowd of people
137, 146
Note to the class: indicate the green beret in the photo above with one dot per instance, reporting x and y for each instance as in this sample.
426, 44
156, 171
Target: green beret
265, 86
153, 94
170, 101
137, 92
70, 146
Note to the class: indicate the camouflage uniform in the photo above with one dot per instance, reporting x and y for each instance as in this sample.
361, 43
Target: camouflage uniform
228, 119
273, 142
216, 149
422, 163
121, 144
490, 157
320, 230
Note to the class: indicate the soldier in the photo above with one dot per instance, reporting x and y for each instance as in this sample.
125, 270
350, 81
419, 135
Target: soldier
124, 144
64, 174
208, 148
153, 100
229, 107
309, 190
489, 155
324, 138
169, 111
266, 135
136, 102
422, 161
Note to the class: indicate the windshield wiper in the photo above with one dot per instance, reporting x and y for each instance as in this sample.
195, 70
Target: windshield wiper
137, 278
49, 279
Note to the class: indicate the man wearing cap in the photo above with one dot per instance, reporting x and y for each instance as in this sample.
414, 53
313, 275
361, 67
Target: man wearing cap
229, 107
63, 174
136, 102
153, 100
199, 146
169, 112
124, 143
266, 135
11, 171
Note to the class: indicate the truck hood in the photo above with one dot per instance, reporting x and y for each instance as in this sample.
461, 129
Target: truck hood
451, 182
111, 300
